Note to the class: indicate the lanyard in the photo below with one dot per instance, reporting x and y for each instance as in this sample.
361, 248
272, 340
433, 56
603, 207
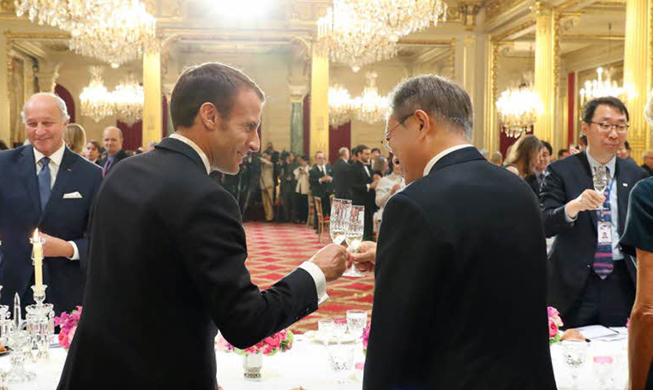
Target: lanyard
607, 199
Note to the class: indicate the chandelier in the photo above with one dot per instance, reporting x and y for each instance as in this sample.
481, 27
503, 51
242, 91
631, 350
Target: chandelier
600, 88
401, 17
340, 106
67, 14
128, 99
518, 109
371, 107
96, 100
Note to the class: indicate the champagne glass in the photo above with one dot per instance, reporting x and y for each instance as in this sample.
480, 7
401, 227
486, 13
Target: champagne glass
340, 210
354, 236
575, 355
600, 180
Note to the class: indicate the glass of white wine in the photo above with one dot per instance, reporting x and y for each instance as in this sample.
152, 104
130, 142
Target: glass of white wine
340, 210
354, 236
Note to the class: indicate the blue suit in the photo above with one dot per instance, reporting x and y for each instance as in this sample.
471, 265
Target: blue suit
64, 218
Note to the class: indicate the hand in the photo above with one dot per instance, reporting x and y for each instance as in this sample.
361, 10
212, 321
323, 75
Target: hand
332, 260
573, 150
329, 178
365, 257
374, 184
588, 200
56, 247
376, 177
395, 188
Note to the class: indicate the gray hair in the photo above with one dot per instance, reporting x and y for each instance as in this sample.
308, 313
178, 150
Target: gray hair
436, 96
379, 164
60, 104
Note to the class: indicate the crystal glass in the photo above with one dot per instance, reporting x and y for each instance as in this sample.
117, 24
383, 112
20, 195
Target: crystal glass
340, 328
340, 210
341, 359
356, 322
326, 329
603, 367
20, 343
575, 355
601, 180
354, 237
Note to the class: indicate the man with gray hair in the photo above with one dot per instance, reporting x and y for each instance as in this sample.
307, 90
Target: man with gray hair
460, 247
45, 186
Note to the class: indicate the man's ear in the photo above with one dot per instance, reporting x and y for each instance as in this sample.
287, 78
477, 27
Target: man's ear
209, 116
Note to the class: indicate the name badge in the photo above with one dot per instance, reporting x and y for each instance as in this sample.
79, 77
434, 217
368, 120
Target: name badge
605, 232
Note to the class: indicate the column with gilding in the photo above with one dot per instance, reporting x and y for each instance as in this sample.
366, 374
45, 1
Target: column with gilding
5, 64
319, 103
152, 111
546, 69
490, 123
637, 72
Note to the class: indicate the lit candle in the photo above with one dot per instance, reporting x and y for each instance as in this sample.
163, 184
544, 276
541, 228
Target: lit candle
38, 259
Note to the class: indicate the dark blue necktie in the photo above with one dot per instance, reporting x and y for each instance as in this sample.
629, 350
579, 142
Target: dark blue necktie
44, 182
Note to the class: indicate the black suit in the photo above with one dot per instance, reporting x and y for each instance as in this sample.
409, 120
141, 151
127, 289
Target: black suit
460, 296
322, 190
64, 217
160, 287
341, 185
360, 176
570, 265
647, 169
120, 155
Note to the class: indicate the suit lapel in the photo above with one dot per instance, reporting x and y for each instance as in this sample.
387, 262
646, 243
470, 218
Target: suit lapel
622, 195
584, 178
61, 183
27, 173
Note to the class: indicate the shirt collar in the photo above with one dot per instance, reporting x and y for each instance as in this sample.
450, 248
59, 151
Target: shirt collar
593, 163
440, 155
196, 148
55, 158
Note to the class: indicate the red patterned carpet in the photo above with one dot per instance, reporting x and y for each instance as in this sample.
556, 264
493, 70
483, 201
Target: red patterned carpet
276, 249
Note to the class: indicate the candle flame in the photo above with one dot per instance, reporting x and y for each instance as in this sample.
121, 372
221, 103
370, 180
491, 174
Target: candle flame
36, 234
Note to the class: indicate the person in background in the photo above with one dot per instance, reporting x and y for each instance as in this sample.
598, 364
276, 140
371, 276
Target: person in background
512, 168
375, 153
535, 180
92, 152
320, 179
267, 186
624, 152
388, 186
525, 154
75, 137
379, 167
562, 153
340, 173
648, 162
582, 143
363, 185
354, 155
302, 189
497, 158
288, 184
3, 146
113, 140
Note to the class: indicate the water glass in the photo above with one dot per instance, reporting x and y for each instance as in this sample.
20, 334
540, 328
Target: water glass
326, 329
356, 322
341, 359
575, 355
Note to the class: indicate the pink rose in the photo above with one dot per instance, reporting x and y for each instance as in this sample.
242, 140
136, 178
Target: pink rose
267, 349
273, 341
552, 311
553, 328
71, 334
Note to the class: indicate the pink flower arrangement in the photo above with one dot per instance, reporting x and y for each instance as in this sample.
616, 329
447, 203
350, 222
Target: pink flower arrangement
278, 342
555, 322
68, 324
366, 338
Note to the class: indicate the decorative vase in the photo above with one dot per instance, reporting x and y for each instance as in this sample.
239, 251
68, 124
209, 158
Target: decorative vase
252, 364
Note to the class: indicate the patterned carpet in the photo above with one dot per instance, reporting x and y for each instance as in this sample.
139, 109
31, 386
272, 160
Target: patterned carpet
276, 249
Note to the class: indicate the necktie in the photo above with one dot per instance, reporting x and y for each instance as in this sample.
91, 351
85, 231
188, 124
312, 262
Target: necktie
603, 264
44, 182
107, 166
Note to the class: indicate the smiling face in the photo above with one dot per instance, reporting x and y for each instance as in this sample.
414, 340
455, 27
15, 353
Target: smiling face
112, 139
605, 143
44, 124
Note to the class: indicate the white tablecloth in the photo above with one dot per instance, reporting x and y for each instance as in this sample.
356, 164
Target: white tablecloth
307, 365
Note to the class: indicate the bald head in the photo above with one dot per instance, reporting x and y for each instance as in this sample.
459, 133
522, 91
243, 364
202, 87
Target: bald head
112, 137
648, 158
45, 117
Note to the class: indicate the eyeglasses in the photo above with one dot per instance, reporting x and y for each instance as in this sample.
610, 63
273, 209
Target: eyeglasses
606, 127
388, 135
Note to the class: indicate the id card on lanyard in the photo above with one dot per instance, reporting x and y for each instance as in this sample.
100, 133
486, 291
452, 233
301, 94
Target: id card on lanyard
605, 227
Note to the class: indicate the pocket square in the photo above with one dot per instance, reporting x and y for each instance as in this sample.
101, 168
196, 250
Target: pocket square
73, 195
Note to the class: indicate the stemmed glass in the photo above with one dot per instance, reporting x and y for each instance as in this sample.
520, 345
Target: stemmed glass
354, 236
340, 210
600, 180
575, 355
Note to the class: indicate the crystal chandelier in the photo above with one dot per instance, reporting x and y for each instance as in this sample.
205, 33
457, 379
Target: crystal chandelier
96, 100
340, 106
600, 88
128, 99
371, 107
67, 14
518, 109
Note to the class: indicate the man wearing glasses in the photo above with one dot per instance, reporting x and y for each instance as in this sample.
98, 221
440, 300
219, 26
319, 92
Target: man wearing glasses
591, 281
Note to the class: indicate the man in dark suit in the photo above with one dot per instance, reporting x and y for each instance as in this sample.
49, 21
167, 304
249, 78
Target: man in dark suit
180, 263
113, 139
45, 186
363, 184
648, 162
591, 280
460, 246
341, 175
320, 178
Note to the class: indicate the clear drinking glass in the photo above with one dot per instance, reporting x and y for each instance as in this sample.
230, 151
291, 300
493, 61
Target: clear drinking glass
601, 180
326, 329
356, 322
354, 236
340, 210
341, 359
575, 355
339, 328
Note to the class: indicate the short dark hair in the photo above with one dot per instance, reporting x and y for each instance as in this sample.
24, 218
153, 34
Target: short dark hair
561, 152
376, 150
360, 149
627, 146
548, 146
96, 144
211, 82
590, 107
3, 145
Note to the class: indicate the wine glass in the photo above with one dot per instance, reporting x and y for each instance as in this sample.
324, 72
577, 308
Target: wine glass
600, 180
354, 236
575, 355
340, 210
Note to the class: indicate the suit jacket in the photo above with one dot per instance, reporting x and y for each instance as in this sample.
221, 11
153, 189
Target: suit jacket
341, 185
358, 180
65, 218
572, 254
317, 188
167, 281
532, 182
455, 247
121, 155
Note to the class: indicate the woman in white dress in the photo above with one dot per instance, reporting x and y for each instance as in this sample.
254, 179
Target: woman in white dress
388, 186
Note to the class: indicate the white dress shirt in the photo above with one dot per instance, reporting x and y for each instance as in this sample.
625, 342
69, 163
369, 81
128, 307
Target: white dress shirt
55, 163
440, 155
313, 270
